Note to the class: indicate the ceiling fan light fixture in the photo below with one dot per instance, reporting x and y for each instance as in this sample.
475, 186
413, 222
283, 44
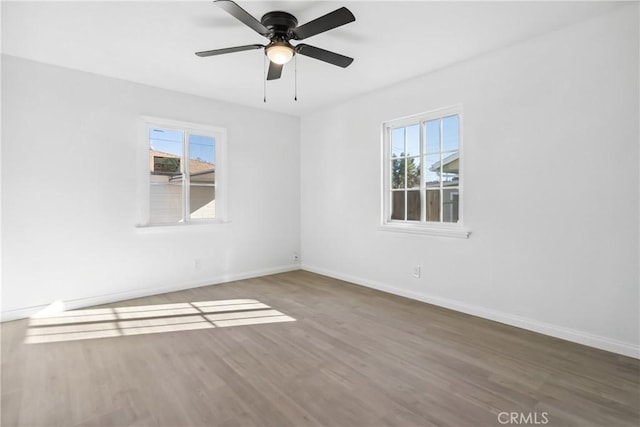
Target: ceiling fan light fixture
279, 52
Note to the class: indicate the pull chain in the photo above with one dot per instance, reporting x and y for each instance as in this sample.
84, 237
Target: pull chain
264, 78
295, 90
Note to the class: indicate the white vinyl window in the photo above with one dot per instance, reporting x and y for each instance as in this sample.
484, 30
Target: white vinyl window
184, 177
422, 186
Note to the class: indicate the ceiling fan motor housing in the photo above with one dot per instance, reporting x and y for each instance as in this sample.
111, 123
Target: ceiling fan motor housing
280, 25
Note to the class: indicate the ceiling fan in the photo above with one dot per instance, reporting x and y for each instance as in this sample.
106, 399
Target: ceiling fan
282, 27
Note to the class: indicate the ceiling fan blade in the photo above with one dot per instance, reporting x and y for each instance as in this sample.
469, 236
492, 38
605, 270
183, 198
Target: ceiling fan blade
243, 16
324, 23
275, 71
228, 50
324, 55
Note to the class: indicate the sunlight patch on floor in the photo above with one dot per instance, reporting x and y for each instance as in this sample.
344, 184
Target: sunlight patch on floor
56, 326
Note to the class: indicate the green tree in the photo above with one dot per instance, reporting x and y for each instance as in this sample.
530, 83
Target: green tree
398, 171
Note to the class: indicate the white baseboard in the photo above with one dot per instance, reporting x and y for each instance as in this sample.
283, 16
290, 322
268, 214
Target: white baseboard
561, 332
23, 313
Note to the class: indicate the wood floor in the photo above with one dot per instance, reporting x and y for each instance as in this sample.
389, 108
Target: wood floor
352, 357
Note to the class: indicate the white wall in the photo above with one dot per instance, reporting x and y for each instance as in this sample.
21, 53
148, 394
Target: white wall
550, 180
70, 167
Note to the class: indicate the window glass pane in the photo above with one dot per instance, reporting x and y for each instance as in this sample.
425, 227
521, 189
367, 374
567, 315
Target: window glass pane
432, 170
413, 172
450, 133
397, 173
165, 144
397, 205
413, 205
202, 148
165, 201
432, 136
165, 169
450, 198
413, 140
450, 169
202, 158
433, 205
397, 142
202, 201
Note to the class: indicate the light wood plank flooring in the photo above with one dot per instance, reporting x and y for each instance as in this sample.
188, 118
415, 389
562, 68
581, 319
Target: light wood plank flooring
352, 357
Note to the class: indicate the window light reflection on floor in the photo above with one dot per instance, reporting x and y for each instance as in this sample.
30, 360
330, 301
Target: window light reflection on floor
50, 326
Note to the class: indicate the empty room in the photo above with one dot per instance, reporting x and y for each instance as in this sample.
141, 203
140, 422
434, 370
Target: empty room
320, 213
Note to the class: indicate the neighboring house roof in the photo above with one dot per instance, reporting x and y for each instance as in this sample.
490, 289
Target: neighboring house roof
201, 171
195, 166
450, 164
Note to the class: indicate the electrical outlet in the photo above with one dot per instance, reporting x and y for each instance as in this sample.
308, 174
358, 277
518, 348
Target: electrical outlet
416, 271
197, 264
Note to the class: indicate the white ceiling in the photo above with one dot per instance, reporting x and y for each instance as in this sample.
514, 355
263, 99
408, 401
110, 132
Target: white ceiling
154, 43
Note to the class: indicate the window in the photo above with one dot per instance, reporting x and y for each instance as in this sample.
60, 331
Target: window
183, 173
422, 185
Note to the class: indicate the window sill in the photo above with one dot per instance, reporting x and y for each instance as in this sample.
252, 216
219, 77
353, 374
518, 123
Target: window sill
177, 226
427, 230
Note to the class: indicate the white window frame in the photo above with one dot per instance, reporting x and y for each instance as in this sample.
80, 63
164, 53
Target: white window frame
441, 229
220, 135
